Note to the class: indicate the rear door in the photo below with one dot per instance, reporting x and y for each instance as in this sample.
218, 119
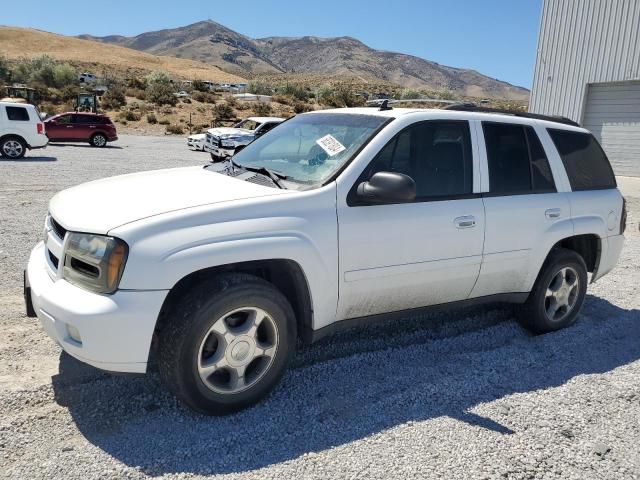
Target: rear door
525, 212
83, 126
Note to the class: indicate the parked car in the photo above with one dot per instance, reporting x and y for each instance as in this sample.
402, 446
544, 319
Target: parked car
334, 219
182, 94
222, 142
196, 141
21, 129
94, 128
86, 77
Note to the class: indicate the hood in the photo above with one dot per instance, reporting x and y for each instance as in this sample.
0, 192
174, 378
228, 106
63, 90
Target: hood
198, 136
229, 131
102, 205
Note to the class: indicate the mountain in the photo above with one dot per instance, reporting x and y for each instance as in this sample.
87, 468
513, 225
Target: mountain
218, 45
24, 42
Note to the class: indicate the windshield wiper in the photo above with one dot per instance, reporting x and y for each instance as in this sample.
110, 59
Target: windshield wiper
272, 174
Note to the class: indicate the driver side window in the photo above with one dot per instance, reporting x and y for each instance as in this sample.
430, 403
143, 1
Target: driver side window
437, 155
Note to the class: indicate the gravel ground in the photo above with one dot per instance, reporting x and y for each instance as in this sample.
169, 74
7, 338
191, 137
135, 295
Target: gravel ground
465, 394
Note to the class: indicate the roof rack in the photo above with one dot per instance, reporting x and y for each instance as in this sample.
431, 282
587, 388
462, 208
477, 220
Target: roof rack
472, 107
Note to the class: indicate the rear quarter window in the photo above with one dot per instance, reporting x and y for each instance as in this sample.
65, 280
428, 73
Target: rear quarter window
584, 160
18, 114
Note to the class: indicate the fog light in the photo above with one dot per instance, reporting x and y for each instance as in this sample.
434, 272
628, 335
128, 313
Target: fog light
74, 334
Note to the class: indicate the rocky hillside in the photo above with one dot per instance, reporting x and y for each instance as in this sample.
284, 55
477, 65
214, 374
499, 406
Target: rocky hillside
101, 59
213, 43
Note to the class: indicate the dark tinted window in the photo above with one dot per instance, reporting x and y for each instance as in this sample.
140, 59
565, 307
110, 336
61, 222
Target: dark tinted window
437, 155
84, 119
542, 177
18, 114
517, 162
266, 127
584, 160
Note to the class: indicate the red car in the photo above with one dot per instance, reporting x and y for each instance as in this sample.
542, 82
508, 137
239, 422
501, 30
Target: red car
81, 127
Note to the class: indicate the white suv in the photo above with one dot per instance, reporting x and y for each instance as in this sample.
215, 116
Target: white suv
21, 128
223, 142
335, 218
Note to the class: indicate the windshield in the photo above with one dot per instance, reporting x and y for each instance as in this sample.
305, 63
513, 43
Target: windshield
310, 148
248, 124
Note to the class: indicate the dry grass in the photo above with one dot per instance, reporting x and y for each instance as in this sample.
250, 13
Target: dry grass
22, 42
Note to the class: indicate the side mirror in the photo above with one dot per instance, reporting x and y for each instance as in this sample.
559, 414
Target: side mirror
387, 187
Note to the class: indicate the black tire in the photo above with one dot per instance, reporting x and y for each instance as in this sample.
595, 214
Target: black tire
98, 140
13, 148
534, 313
186, 327
215, 158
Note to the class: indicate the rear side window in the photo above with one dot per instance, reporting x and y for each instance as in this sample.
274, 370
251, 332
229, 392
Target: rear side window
584, 160
517, 162
18, 114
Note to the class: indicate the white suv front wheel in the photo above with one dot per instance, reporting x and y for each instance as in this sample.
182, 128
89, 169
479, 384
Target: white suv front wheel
227, 343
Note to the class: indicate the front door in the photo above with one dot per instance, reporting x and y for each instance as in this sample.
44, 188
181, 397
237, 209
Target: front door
406, 255
60, 128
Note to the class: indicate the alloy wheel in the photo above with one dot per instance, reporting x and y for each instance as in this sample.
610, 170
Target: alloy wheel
562, 294
12, 148
237, 350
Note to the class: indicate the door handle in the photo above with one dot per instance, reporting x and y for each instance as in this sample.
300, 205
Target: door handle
553, 213
468, 221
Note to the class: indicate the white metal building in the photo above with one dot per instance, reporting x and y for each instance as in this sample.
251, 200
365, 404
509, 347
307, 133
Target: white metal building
588, 69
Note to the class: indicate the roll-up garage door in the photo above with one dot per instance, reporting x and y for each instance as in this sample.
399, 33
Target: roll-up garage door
612, 113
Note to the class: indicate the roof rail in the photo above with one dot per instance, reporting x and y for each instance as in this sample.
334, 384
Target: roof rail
471, 107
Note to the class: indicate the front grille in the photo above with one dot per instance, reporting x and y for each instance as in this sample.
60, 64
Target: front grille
53, 259
59, 230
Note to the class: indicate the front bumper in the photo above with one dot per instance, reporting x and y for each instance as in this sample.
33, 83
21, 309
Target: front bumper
219, 151
114, 331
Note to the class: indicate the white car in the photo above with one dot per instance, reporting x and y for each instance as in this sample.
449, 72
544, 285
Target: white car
196, 141
21, 129
336, 218
182, 94
223, 142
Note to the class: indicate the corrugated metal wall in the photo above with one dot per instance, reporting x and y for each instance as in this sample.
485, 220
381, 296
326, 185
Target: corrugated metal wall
582, 42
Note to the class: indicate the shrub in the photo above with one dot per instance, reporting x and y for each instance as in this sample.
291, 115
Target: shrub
138, 83
175, 129
5, 72
339, 97
295, 91
262, 109
63, 75
69, 93
301, 107
160, 89
232, 101
204, 97
113, 98
408, 94
164, 121
151, 118
223, 111
199, 86
284, 99
259, 88
129, 116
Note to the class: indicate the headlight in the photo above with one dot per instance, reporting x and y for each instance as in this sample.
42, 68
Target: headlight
228, 142
94, 262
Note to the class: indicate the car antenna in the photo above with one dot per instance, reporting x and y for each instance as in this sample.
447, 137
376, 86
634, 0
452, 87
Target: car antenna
385, 106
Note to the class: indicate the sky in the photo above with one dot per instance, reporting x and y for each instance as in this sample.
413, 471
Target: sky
495, 37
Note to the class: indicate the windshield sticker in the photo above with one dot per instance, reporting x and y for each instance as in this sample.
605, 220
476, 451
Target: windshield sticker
330, 145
